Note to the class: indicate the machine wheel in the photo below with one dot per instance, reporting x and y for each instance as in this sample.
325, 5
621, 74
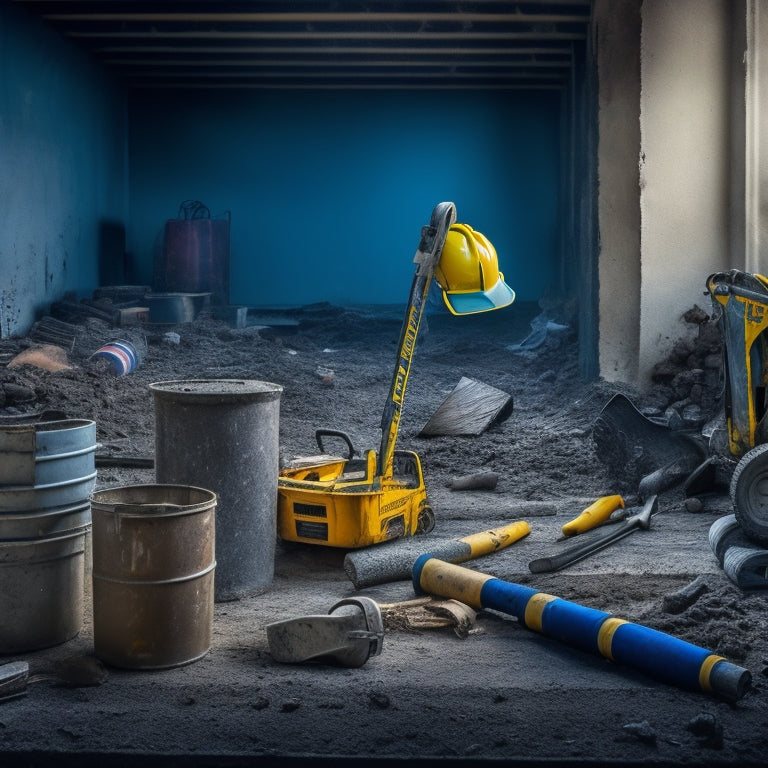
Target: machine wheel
749, 493
426, 520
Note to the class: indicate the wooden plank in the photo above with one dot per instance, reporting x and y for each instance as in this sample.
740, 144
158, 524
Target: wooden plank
469, 410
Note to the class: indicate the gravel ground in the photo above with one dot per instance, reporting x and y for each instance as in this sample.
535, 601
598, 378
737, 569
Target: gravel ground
497, 693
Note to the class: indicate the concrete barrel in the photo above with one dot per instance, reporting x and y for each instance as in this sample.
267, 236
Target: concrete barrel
223, 434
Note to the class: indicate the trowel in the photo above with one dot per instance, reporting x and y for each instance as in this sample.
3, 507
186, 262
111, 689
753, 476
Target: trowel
78, 672
339, 637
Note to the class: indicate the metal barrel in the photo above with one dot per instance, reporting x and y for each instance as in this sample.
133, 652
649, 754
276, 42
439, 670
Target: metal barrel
44, 523
47, 470
153, 574
45, 454
41, 591
222, 434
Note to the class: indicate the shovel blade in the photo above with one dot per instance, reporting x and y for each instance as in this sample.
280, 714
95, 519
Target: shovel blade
633, 446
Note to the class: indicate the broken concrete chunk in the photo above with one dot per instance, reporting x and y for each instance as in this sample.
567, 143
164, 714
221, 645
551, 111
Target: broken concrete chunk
479, 481
684, 598
642, 731
706, 727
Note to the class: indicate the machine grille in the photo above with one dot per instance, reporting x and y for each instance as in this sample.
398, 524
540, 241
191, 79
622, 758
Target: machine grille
307, 530
309, 510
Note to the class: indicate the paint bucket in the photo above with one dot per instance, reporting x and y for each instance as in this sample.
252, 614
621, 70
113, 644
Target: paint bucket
153, 574
222, 434
41, 591
122, 355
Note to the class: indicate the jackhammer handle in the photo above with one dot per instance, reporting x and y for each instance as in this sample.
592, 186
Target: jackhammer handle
321, 433
663, 656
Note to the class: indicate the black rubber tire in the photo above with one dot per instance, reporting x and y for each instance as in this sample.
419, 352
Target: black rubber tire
426, 520
749, 494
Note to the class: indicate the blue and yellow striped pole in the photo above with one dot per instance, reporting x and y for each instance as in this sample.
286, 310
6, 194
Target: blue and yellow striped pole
661, 655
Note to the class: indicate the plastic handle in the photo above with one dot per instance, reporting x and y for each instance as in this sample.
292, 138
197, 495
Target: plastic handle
497, 538
596, 513
321, 433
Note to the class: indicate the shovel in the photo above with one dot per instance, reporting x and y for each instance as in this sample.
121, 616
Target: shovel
633, 446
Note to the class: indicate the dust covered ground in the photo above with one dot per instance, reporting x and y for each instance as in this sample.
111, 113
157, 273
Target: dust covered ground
500, 693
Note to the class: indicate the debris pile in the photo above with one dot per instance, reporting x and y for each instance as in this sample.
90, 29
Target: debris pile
689, 380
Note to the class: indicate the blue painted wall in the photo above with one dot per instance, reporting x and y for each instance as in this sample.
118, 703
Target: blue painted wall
328, 190
62, 169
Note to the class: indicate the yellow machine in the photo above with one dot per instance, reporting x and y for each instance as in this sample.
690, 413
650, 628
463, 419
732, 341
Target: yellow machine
742, 299
354, 502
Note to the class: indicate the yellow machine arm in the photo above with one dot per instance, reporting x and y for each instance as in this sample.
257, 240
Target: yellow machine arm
427, 258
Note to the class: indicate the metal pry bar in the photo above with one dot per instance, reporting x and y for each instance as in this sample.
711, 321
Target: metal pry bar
573, 554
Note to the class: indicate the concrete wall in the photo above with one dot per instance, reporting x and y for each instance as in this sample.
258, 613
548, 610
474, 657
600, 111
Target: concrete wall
328, 191
684, 169
755, 154
62, 168
617, 45
666, 125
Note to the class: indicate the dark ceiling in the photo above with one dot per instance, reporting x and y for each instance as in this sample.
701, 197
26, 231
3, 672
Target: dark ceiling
327, 43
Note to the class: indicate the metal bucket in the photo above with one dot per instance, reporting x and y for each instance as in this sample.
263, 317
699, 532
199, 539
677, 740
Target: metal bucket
32, 498
41, 591
153, 574
45, 522
222, 434
46, 453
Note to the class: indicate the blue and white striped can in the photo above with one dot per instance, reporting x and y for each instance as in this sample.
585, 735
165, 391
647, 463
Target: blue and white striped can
121, 354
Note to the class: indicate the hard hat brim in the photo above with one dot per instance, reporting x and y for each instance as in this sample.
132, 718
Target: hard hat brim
472, 302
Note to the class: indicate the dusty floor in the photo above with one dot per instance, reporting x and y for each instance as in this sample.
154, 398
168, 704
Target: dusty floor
501, 694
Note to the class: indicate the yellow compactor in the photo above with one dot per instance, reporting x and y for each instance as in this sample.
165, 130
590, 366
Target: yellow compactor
354, 502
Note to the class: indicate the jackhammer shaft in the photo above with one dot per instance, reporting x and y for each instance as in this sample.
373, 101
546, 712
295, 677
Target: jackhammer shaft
661, 655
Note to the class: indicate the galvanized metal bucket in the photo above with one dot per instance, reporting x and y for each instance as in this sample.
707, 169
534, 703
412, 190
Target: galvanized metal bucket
153, 574
45, 523
41, 591
46, 454
222, 434
47, 470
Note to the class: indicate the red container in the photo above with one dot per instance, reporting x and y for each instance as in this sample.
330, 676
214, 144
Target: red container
195, 258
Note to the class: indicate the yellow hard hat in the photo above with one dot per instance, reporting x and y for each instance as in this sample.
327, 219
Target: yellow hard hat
468, 273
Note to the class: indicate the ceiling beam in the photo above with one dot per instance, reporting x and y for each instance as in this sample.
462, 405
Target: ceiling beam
364, 63
424, 36
334, 50
299, 17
